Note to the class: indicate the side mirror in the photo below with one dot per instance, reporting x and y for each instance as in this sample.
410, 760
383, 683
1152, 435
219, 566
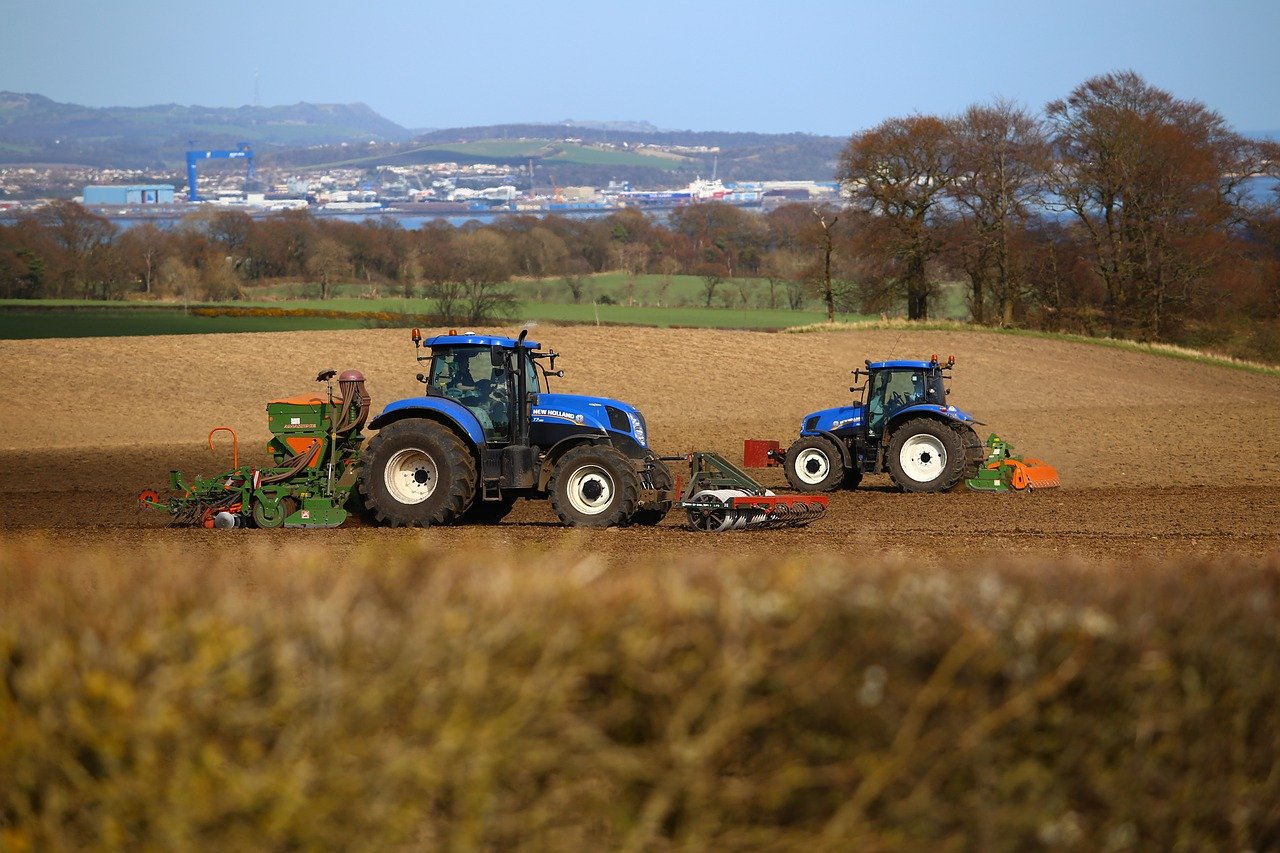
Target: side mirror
497, 357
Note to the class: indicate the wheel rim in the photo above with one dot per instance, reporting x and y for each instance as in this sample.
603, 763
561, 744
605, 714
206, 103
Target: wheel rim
590, 490
812, 466
923, 458
710, 519
411, 476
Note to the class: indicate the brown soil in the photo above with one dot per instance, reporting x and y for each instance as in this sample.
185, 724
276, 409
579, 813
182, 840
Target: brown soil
1159, 457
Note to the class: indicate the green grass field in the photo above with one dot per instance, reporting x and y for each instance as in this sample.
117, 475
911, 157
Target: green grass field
122, 322
582, 155
608, 298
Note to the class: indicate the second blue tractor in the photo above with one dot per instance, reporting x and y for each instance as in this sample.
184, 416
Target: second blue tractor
901, 425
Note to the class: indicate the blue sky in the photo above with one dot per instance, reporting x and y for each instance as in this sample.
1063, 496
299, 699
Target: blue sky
815, 66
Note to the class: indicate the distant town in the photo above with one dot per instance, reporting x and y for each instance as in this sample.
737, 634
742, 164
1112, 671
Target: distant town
228, 178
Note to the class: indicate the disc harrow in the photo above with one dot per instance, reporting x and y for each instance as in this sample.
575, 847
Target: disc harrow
721, 497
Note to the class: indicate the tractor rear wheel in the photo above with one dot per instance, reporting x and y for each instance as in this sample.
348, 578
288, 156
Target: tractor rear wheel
926, 455
814, 464
416, 473
594, 486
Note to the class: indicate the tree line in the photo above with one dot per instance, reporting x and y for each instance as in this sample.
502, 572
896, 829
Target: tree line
1117, 210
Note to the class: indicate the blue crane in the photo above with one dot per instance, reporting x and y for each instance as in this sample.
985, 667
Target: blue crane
243, 150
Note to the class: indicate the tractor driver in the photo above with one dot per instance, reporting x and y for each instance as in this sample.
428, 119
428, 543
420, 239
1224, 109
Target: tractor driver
453, 377
494, 397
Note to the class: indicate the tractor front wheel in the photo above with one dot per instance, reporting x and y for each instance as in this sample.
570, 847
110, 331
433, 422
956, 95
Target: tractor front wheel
594, 486
814, 464
926, 456
416, 473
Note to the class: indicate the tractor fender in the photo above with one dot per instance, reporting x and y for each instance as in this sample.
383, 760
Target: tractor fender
560, 448
451, 414
949, 414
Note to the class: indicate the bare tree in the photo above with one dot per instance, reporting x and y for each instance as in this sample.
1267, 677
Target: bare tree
482, 267
1155, 183
1000, 163
83, 237
828, 292
788, 266
329, 261
898, 172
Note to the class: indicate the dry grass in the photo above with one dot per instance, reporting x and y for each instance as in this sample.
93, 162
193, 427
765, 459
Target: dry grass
275, 701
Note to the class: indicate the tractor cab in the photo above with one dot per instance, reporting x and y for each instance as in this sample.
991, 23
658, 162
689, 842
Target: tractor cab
893, 386
481, 378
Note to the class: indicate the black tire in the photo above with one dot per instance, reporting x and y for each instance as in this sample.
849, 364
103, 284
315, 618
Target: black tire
975, 451
814, 464
852, 479
416, 473
594, 486
487, 512
926, 456
662, 481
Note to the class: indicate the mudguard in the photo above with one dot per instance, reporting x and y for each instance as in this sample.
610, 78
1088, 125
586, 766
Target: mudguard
932, 410
456, 413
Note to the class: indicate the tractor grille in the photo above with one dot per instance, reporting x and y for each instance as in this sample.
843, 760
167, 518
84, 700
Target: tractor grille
811, 425
618, 419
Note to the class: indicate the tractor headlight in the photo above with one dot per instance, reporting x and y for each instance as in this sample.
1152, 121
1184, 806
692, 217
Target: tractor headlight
639, 429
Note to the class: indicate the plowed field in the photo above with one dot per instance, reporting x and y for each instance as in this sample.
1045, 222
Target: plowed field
1159, 457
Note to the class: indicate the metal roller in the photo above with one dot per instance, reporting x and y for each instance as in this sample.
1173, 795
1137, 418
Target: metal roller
711, 510
720, 497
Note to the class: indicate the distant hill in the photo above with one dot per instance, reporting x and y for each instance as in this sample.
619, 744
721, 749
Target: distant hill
34, 128
595, 153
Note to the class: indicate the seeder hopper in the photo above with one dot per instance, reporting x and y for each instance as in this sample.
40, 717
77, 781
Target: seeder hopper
315, 444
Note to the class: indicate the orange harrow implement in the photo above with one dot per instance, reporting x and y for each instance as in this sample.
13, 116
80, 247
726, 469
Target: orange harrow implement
1002, 471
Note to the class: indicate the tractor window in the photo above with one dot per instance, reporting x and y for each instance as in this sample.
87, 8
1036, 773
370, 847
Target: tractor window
467, 376
531, 382
904, 388
894, 389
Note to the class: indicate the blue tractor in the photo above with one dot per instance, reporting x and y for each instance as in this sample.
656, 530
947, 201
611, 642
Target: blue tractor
487, 430
902, 424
